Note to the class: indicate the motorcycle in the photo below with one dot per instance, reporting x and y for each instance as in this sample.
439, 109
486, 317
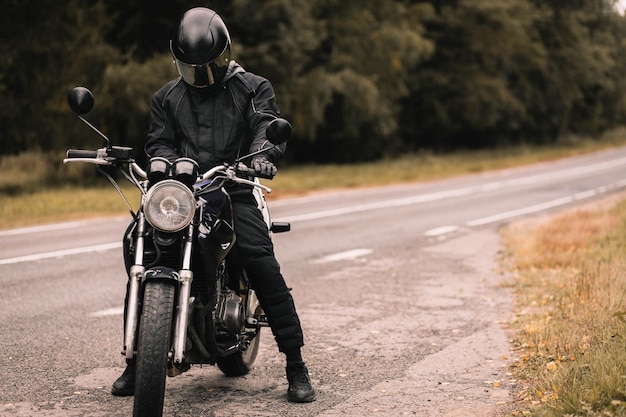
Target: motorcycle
189, 300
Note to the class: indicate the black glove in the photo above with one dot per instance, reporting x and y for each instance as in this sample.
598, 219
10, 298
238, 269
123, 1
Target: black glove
262, 165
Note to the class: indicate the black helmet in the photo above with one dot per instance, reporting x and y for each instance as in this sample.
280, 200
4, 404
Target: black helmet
201, 47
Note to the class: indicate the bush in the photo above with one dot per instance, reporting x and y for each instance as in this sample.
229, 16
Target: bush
35, 170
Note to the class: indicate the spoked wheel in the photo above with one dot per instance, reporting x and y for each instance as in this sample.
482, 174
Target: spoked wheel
240, 363
153, 343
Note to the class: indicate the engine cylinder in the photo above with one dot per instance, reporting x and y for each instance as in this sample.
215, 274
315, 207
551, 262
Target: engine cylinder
230, 314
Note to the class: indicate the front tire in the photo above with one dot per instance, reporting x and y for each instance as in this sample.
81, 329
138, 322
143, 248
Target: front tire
153, 344
240, 363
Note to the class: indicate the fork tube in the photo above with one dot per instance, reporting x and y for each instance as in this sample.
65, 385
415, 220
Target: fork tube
135, 276
182, 318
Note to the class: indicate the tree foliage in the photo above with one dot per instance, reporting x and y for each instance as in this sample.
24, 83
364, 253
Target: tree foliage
41, 58
358, 79
510, 70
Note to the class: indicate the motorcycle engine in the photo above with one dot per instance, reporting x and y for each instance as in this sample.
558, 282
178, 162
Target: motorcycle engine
229, 313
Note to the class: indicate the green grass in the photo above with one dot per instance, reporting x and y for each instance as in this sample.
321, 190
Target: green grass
37, 188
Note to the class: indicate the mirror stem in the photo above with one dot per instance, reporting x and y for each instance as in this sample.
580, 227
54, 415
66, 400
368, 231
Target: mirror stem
97, 131
260, 151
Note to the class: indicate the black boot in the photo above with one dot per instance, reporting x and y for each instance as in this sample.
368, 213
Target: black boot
300, 389
124, 386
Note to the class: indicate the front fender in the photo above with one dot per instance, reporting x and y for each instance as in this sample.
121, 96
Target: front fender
161, 273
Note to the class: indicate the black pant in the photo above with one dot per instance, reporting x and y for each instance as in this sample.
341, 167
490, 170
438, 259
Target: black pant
256, 252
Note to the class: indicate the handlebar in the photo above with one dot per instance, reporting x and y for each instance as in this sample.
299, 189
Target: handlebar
104, 156
233, 173
80, 153
239, 170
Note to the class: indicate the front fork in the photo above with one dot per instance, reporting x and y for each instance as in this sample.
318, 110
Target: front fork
136, 276
181, 314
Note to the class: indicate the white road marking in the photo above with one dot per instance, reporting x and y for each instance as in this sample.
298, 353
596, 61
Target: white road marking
48, 227
520, 212
546, 205
457, 192
61, 253
342, 256
423, 198
438, 231
115, 311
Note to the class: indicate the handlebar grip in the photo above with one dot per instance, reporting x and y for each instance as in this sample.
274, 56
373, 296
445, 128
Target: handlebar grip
252, 173
80, 153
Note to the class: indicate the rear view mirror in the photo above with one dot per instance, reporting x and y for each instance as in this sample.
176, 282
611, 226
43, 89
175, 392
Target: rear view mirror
278, 131
80, 100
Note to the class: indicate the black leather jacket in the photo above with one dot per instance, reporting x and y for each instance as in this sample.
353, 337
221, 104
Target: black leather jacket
212, 125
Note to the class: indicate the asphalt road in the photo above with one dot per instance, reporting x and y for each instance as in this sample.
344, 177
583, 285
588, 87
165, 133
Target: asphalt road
398, 289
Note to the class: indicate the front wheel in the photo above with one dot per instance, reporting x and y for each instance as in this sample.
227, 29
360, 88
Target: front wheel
153, 344
240, 363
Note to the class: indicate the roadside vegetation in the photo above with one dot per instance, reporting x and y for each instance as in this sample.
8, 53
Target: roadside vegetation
570, 312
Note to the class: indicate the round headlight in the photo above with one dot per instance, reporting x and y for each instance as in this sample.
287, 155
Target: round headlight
169, 206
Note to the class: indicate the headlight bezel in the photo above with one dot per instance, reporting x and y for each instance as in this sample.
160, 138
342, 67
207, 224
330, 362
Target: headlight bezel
169, 206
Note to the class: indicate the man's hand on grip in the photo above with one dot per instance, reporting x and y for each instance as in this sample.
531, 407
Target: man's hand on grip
262, 165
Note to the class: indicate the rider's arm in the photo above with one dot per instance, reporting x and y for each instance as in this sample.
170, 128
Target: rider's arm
261, 112
161, 136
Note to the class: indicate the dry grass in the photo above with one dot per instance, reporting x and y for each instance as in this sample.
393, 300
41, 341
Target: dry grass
63, 204
570, 283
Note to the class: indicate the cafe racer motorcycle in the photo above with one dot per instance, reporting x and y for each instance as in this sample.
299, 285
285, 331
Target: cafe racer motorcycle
189, 300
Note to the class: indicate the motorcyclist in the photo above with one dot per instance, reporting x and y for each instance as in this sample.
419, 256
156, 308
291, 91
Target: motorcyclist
212, 113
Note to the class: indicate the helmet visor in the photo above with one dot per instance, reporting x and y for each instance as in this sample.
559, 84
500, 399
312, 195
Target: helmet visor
204, 75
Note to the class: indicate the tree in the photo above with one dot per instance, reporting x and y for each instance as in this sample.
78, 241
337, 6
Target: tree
516, 70
367, 48
476, 89
141, 29
41, 66
584, 64
359, 80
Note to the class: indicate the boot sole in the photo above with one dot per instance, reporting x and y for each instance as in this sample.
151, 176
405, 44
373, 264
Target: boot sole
308, 399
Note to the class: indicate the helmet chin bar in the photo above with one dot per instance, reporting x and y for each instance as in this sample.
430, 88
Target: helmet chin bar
199, 76
204, 75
